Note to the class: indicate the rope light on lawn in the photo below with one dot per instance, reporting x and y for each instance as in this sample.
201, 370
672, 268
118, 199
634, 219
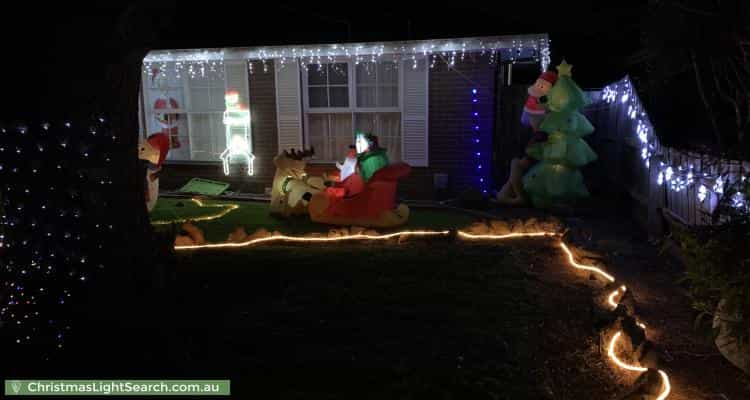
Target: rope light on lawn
285, 238
666, 386
467, 235
228, 207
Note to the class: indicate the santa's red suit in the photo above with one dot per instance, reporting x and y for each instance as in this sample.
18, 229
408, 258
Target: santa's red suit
348, 182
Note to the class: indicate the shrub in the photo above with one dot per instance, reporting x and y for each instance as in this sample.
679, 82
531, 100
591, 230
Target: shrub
717, 259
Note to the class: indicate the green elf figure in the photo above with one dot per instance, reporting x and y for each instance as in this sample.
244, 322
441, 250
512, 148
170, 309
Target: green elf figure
370, 156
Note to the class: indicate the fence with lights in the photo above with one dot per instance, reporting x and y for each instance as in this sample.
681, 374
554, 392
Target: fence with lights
687, 185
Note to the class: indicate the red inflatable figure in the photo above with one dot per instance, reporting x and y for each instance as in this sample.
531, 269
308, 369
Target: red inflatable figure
366, 196
154, 150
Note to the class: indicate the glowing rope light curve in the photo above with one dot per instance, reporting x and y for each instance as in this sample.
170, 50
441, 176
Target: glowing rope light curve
611, 298
665, 383
613, 357
667, 387
227, 209
285, 238
506, 236
583, 266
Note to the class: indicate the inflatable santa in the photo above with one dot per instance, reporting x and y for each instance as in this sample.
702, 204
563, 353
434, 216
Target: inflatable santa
154, 151
364, 192
164, 107
168, 122
533, 111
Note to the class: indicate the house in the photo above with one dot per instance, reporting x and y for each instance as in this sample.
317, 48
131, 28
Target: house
432, 103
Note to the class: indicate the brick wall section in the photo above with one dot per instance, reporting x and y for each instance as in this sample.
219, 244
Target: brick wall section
450, 125
263, 103
265, 144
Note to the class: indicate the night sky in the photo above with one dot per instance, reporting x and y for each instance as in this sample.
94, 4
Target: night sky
59, 53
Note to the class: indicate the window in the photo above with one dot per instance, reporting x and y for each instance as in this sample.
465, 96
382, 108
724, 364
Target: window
328, 85
336, 105
330, 134
188, 108
377, 85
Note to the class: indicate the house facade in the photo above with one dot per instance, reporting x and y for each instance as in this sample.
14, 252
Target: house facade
432, 104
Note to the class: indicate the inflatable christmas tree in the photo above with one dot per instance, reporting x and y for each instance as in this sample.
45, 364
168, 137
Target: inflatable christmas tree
556, 179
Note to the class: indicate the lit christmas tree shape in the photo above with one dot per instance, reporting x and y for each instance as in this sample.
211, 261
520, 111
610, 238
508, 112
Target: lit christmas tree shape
237, 123
556, 178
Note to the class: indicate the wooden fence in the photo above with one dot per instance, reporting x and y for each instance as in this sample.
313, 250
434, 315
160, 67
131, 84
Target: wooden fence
640, 166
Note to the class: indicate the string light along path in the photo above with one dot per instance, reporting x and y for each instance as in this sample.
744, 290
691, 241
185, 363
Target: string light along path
666, 388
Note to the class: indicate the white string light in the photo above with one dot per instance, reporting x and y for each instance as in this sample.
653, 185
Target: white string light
194, 62
677, 178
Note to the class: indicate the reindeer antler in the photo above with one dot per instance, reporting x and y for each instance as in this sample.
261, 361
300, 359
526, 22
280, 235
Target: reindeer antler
308, 153
298, 155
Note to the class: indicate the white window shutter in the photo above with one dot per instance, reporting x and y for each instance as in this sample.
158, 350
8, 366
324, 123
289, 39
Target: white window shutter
288, 108
414, 141
235, 73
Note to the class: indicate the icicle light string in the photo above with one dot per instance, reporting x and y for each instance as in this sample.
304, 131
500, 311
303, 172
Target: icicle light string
195, 62
666, 385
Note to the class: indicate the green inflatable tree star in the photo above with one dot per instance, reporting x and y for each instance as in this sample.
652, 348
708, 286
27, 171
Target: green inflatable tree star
556, 178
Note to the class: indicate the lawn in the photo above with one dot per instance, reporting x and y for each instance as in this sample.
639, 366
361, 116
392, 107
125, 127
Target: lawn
430, 318
427, 319
253, 215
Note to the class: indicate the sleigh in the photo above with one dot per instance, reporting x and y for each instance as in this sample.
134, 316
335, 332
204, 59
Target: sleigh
356, 202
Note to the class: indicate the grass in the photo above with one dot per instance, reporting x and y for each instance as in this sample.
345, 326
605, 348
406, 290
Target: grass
420, 320
253, 215
427, 319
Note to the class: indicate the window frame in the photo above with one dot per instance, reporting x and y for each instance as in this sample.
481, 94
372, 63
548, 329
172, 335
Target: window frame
352, 110
306, 88
185, 111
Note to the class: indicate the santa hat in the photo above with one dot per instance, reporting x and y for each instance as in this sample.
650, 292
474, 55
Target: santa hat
549, 76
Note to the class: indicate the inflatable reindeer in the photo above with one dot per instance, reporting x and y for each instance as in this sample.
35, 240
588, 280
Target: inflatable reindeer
292, 188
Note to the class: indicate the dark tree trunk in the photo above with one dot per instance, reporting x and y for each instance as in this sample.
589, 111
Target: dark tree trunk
128, 303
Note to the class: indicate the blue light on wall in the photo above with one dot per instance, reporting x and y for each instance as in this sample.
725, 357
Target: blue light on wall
482, 180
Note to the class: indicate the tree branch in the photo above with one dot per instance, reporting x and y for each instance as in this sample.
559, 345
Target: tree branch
706, 104
723, 94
